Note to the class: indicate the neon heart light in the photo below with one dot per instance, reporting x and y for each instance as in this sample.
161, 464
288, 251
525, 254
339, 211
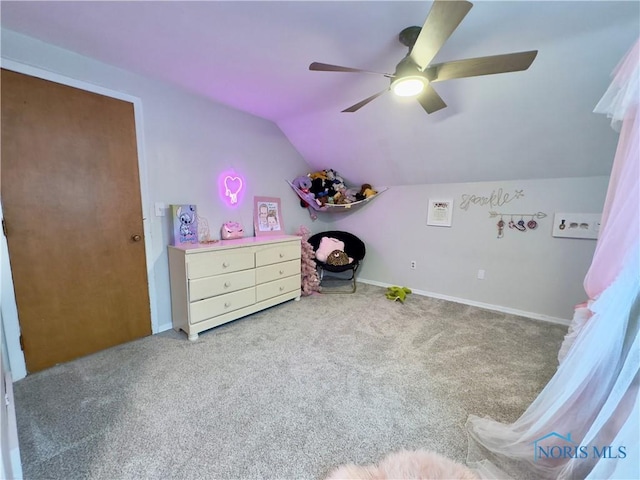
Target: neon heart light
232, 186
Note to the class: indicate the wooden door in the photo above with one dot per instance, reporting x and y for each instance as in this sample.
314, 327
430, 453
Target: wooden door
72, 207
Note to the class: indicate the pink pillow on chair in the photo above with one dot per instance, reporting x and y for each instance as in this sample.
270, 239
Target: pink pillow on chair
328, 245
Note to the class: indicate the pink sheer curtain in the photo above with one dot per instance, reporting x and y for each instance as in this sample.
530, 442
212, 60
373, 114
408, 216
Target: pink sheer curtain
620, 227
591, 403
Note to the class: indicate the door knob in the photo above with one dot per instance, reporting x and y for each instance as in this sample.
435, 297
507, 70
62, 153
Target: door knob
136, 237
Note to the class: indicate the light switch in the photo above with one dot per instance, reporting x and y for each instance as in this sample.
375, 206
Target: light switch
160, 209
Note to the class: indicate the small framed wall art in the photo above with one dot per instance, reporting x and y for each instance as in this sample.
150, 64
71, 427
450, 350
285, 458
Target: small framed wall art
267, 216
440, 212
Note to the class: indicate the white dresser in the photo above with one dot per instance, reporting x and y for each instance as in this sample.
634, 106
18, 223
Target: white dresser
212, 284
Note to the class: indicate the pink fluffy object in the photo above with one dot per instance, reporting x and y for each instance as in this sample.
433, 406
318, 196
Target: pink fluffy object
406, 465
328, 245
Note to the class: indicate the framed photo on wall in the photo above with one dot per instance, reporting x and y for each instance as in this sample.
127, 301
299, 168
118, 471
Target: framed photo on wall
267, 216
440, 212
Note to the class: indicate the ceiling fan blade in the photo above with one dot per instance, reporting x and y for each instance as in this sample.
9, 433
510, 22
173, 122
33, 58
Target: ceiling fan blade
430, 100
325, 67
474, 67
361, 104
442, 20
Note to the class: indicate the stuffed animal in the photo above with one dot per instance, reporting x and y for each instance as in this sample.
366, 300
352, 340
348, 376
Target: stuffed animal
397, 294
330, 174
350, 195
337, 258
338, 184
369, 192
317, 187
366, 191
302, 183
322, 175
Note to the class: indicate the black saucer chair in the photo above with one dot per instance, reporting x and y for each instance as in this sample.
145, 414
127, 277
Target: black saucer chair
353, 247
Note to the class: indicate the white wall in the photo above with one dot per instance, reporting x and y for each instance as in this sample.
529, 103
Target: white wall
531, 272
186, 142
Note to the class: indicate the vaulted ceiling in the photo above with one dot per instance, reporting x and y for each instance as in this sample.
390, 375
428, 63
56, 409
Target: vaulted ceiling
254, 56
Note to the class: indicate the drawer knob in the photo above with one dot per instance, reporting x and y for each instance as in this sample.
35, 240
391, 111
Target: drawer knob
225, 265
281, 272
227, 284
227, 304
282, 255
281, 288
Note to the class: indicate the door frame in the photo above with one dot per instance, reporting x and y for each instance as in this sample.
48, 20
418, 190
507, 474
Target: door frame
17, 364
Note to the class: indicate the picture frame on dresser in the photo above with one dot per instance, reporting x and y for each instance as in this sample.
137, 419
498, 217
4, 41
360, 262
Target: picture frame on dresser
267, 216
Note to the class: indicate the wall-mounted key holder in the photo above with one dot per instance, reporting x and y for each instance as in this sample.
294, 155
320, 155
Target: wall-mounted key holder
526, 222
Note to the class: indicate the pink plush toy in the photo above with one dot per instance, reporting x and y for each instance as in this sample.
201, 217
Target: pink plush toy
328, 245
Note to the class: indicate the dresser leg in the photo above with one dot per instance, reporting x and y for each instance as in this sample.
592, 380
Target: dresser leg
193, 337
297, 299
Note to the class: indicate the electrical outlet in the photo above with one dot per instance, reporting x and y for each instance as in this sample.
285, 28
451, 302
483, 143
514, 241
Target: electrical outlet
413, 264
481, 274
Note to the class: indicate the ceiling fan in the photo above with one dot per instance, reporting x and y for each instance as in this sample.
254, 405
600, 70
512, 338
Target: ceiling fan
414, 74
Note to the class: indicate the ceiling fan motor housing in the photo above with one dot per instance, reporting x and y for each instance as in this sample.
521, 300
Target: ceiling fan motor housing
409, 35
407, 67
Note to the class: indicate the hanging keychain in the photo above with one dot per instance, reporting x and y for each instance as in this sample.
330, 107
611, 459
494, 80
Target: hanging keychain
512, 223
532, 224
520, 226
500, 228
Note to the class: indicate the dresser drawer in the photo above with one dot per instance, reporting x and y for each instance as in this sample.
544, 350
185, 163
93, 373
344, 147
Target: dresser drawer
277, 271
207, 264
278, 253
279, 287
212, 307
220, 284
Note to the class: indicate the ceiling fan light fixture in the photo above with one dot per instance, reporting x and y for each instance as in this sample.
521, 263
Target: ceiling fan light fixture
408, 86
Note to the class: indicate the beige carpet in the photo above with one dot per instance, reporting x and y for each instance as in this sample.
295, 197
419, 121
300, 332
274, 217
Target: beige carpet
289, 393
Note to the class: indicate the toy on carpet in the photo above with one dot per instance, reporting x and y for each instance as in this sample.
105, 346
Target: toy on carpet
309, 272
398, 294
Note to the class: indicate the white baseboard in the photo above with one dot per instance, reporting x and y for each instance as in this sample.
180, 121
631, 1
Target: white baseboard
473, 303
